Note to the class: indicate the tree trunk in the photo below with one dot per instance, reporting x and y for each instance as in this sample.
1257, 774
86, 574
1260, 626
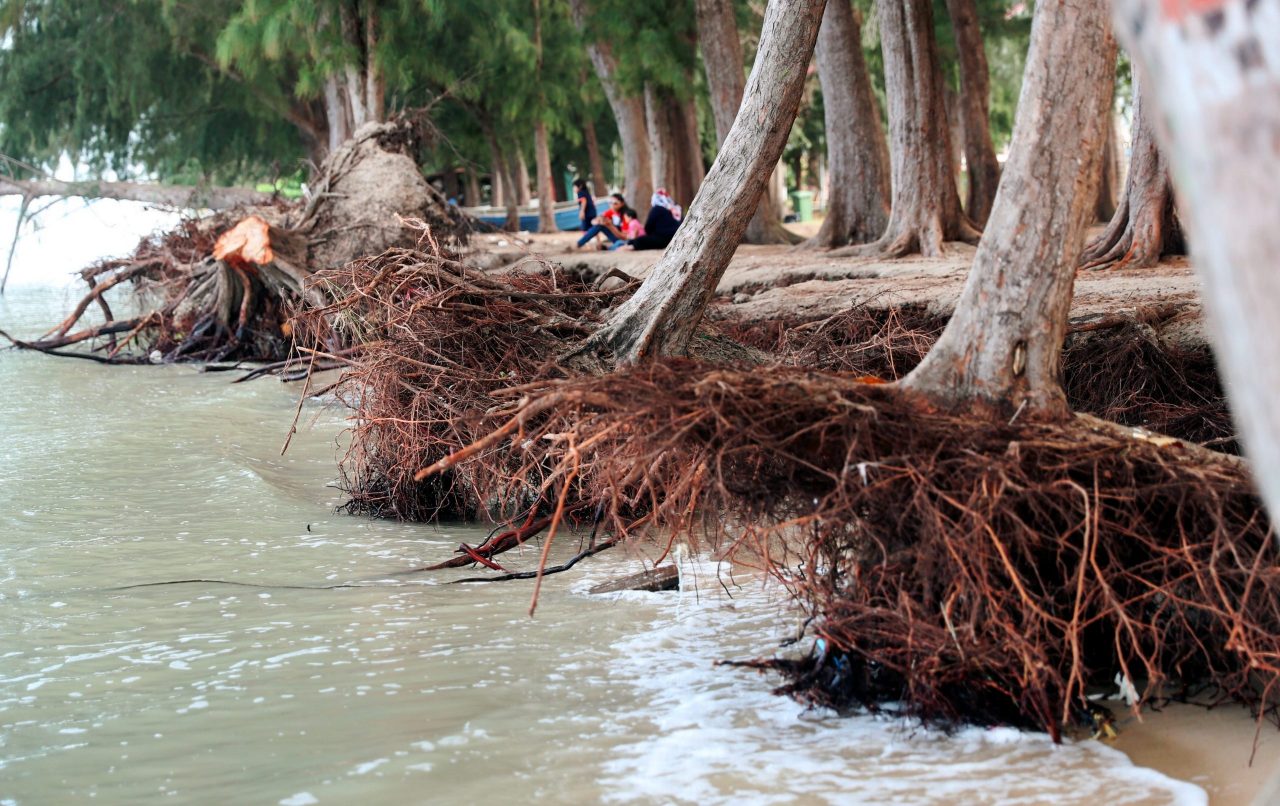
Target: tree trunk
599, 182
336, 113
1145, 225
662, 142
722, 58
521, 178
1212, 72
375, 90
857, 154
690, 143
663, 315
180, 197
503, 183
1105, 206
546, 182
628, 111
975, 100
473, 187
999, 354
925, 208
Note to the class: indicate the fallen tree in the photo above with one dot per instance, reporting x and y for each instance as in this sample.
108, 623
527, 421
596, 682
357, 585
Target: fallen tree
224, 286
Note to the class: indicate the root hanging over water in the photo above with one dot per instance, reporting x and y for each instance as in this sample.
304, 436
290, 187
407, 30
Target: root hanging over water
967, 570
223, 287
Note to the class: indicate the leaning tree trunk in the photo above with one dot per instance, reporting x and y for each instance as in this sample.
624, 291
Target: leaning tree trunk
857, 154
999, 354
178, 197
1214, 75
546, 184
1145, 225
662, 316
975, 92
925, 204
722, 58
628, 112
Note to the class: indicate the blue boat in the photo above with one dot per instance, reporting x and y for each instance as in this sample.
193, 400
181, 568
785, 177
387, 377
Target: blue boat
566, 216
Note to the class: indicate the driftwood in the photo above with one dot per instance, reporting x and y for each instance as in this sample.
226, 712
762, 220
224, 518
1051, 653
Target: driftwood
662, 578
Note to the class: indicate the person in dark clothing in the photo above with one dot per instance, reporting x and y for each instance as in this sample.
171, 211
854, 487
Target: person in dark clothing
661, 225
586, 204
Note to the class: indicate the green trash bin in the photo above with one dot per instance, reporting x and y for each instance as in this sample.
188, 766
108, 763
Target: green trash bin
802, 203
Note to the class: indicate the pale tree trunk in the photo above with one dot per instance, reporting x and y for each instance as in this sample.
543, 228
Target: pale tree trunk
1145, 225
975, 100
1000, 353
521, 178
473, 187
857, 154
546, 183
662, 142
628, 112
503, 183
600, 182
722, 58
336, 113
662, 316
1105, 206
178, 197
375, 92
925, 206
1214, 75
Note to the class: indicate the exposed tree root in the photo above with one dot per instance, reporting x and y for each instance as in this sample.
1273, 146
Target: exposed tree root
1117, 367
969, 570
200, 303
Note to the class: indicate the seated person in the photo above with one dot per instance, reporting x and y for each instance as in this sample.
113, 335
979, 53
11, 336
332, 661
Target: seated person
631, 228
609, 225
660, 228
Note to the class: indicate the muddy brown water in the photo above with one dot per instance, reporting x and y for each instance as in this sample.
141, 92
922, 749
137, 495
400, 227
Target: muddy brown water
399, 690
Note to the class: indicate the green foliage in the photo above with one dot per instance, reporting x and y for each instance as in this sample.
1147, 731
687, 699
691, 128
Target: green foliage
125, 84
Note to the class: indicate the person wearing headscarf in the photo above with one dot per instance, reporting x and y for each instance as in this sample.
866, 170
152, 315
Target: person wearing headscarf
663, 221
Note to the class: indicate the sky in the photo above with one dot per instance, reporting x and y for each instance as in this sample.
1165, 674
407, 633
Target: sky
71, 234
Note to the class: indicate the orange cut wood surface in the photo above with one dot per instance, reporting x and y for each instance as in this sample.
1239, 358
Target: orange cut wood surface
247, 242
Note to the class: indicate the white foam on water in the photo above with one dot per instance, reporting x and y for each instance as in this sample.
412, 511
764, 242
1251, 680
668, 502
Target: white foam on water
715, 735
300, 799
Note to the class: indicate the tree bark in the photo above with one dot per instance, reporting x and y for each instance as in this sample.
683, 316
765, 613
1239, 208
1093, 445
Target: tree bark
503, 170
662, 143
600, 182
1214, 76
663, 315
473, 187
336, 113
690, 148
521, 178
925, 207
975, 101
999, 354
628, 111
182, 197
722, 58
1105, 206
857, 153
1145, 225
546, 182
